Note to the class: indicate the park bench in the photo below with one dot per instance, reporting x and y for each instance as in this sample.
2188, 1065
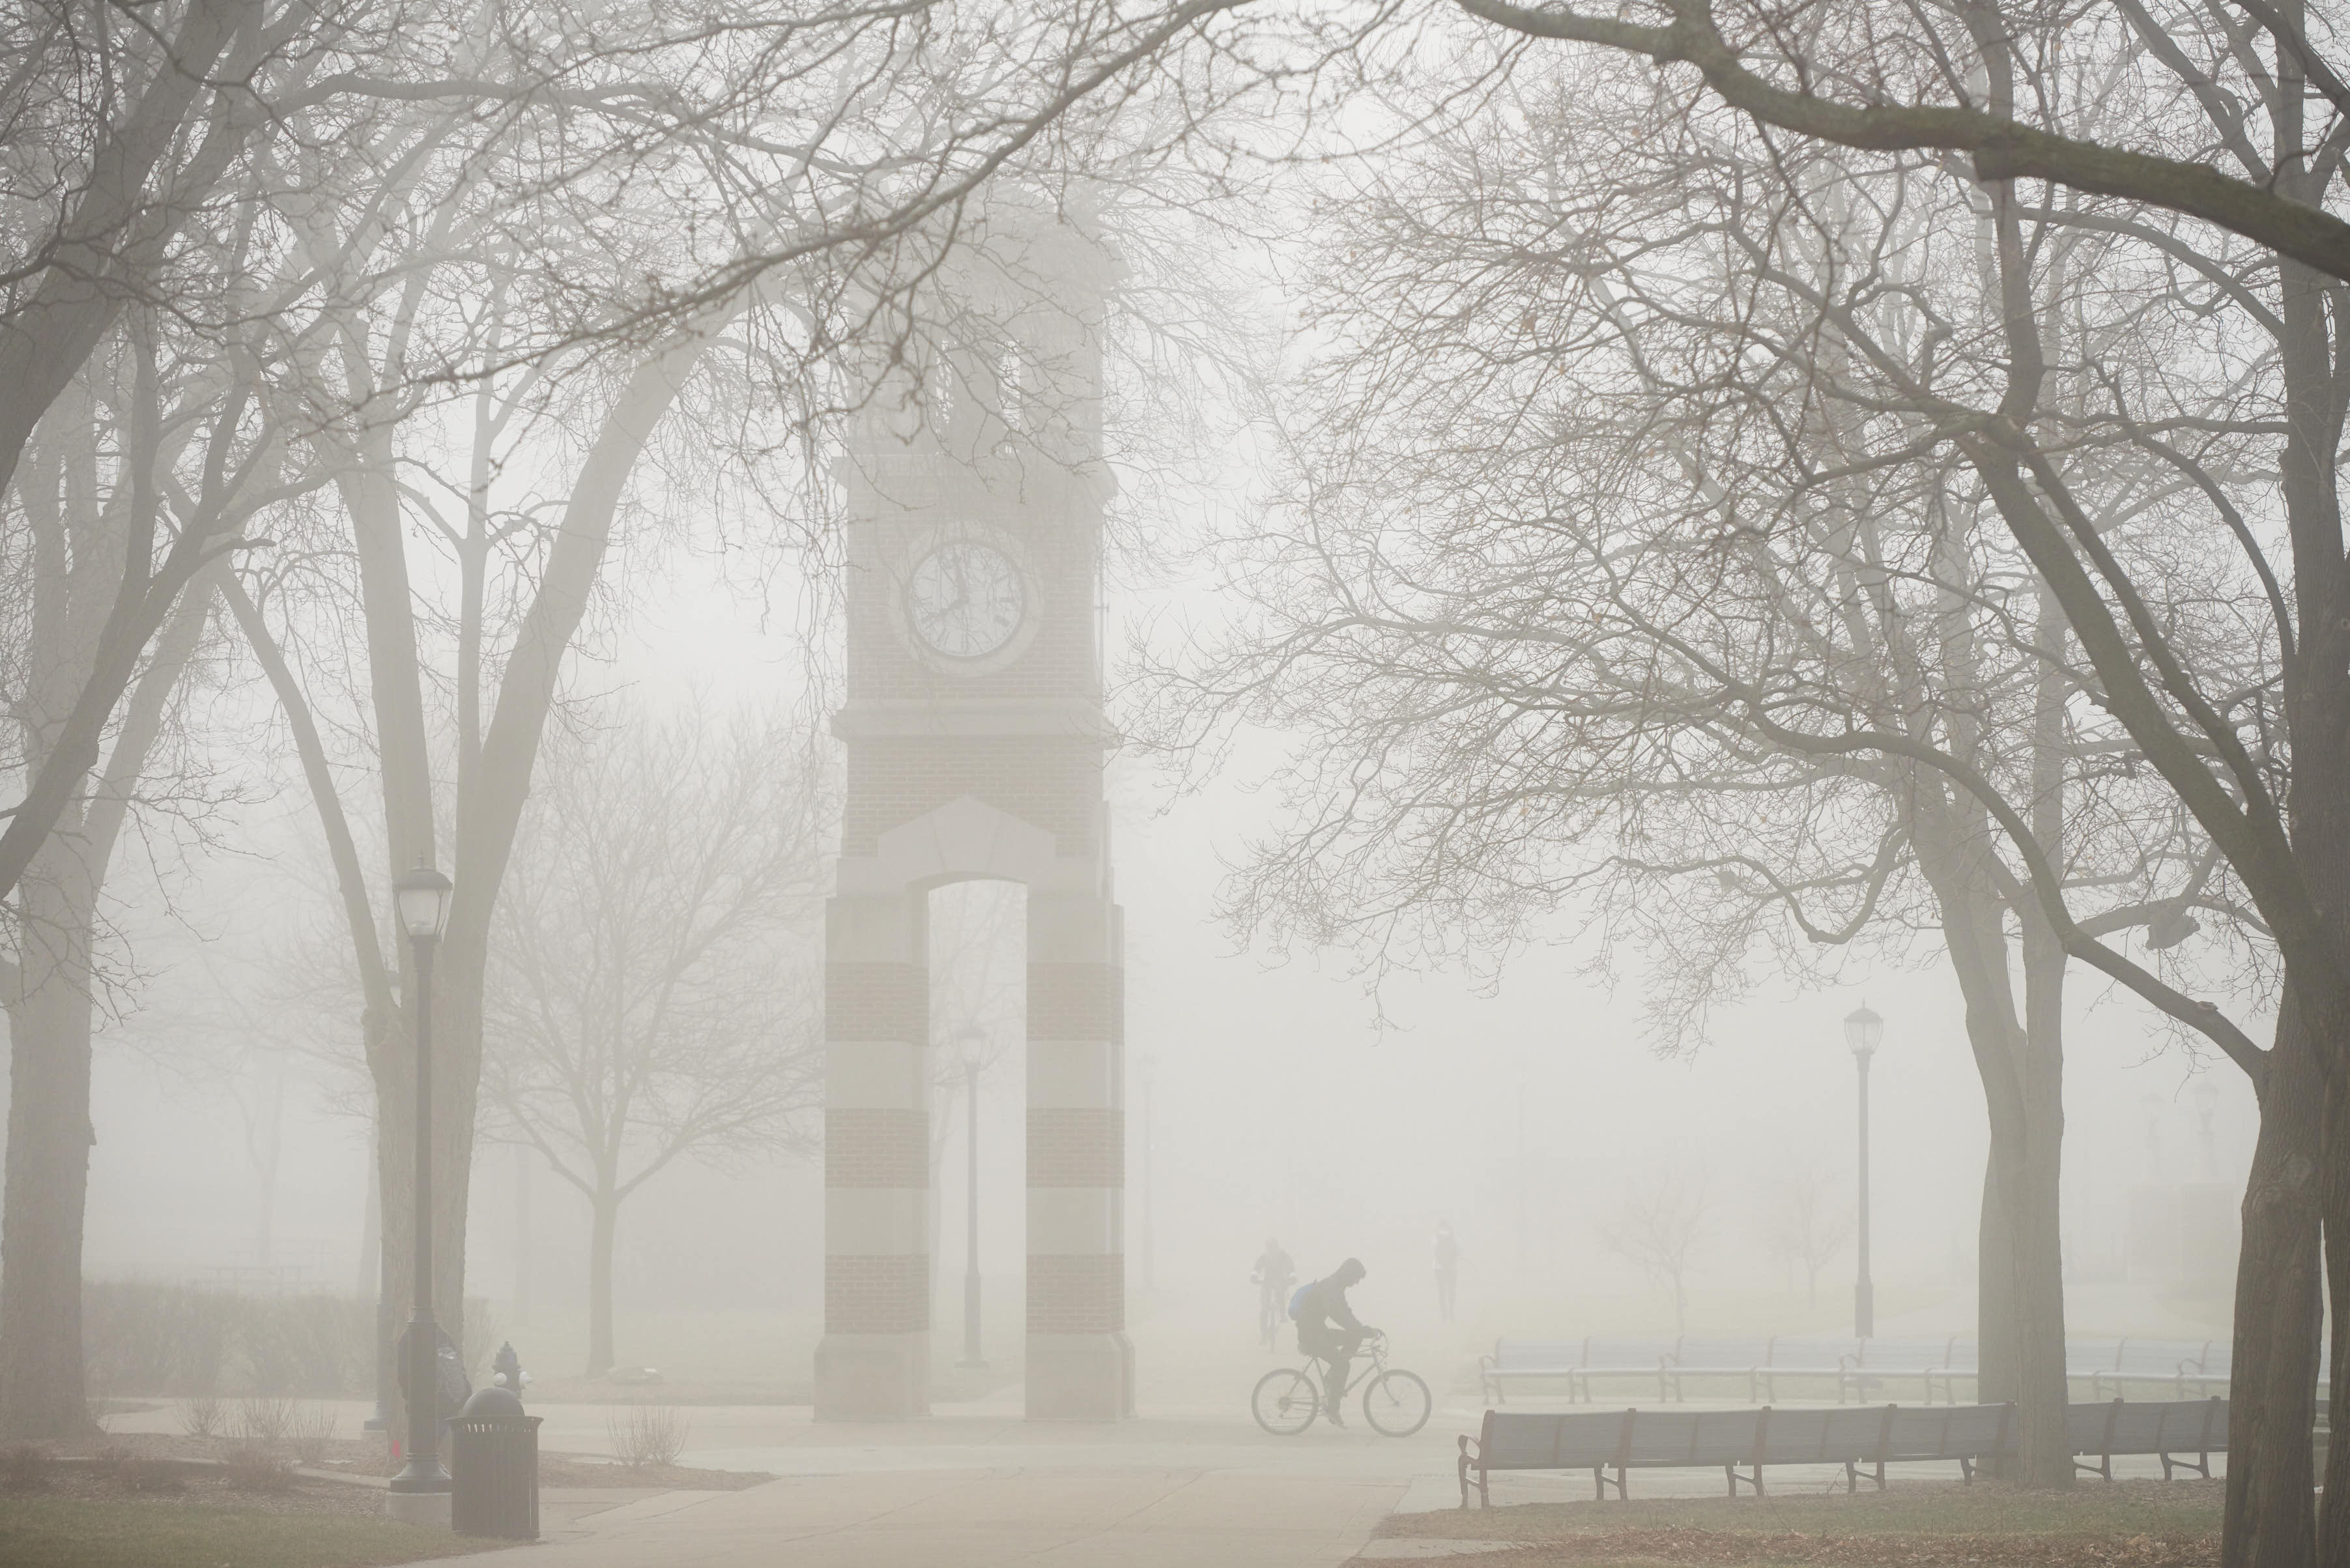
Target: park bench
1962, 1363
1856, 1365
1740, 1442
2169, 1429
1763, 1361
2183, 1364
1874, 1362
1577, 1361
1720, 1358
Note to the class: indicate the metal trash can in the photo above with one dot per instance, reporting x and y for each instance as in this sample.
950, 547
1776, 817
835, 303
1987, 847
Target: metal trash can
493, 1468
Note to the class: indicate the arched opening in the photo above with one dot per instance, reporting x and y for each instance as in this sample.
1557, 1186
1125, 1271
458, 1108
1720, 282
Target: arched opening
978, 973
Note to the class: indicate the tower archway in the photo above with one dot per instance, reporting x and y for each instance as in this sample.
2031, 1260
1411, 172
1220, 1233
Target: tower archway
976, 742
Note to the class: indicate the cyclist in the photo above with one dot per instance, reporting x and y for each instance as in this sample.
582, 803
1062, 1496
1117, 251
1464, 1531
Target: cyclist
1273, 1277
1328, 1329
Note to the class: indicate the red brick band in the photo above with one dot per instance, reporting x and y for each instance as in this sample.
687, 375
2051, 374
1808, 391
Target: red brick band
1076, 1295
867, 1148
1077, 1002
875, 1001
1077, 1146
864, 1294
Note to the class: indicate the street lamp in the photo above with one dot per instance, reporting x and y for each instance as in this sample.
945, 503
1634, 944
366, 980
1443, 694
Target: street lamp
2207, 1105
421, 898
973, 1042
1862, 1029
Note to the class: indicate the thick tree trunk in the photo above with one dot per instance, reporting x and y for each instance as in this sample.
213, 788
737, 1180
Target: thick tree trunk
1998, 1379
2036, 1231
50, 1137
605, 1219
2333, 1512
2271, 1515
2020, 1291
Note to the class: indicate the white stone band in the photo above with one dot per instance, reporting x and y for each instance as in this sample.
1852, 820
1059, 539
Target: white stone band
875, 1075
876, 1221
1077, 1221
1072, 1075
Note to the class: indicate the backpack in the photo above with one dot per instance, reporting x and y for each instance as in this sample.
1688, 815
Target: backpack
1297, 1298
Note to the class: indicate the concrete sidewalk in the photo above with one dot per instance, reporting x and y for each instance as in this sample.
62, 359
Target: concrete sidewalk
1088, 1518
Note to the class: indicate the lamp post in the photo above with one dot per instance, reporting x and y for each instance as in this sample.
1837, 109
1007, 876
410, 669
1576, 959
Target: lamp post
1862, 1029
2206, 1106
973, 1040
422, 900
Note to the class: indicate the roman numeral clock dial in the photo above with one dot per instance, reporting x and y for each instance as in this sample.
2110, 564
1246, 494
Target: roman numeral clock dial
965, 600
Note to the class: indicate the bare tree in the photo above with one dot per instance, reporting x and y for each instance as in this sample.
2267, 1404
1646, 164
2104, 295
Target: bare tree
1804, 1226
1658, 1225
1617, 584
1907, 69
149, 440
652, 993
2255, 103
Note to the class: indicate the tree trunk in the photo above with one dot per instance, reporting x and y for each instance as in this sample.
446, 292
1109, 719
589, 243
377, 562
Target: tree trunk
2271, 1515
606, 1215
50, 1137
2020, 1289
1999, 1377
2035, 1235
2333, 1512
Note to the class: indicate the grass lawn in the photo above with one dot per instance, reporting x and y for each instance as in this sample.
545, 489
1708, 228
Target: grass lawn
2128, 1524
107, 1533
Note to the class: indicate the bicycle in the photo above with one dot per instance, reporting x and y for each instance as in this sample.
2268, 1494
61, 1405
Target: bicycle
1273, 1309
1395, 1402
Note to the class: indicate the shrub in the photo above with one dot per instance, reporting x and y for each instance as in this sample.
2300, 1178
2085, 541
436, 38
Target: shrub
318, 1346
203, 1416
263, 1422
312, 1429
140, 1337
143, 1338
648, 1435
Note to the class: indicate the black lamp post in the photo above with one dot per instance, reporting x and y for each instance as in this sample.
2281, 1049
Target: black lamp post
974, 1043
2207, 1105
1862, 1031
421, 899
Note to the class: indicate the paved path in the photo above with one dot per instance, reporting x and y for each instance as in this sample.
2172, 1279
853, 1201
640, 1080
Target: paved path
978, 1518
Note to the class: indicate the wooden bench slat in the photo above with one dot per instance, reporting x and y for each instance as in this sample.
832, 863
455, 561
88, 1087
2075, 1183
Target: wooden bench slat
2181, 1433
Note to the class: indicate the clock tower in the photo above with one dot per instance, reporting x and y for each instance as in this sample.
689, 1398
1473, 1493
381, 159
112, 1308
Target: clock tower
976, 742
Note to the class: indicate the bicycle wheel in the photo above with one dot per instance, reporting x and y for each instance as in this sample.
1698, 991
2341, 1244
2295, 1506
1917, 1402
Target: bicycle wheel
1284, 1402
1397, 1404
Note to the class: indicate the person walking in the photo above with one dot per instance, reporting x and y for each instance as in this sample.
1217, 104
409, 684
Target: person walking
1275, 1275
1447, 1264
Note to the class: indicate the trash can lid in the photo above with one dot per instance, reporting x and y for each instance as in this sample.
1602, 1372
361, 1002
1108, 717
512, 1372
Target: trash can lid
491, 1401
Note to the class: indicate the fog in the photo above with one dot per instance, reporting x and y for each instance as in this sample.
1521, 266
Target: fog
900, 731
1289, 1097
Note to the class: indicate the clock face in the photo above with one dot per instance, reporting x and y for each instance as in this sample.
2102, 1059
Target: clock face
965, 600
